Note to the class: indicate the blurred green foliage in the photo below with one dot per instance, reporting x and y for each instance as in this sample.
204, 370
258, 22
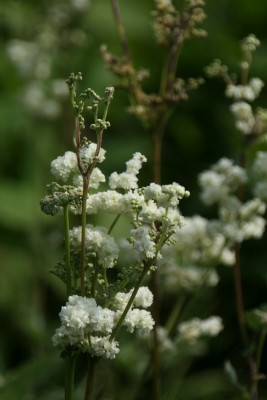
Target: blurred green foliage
200, 132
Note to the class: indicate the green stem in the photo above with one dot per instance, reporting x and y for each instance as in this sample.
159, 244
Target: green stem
69, 377
120, 29
67, 249
83, 234
240, 309
113, 224
90, 382
169, 69
105, 278
130, 302
260, 347
175, 314
155, 356
94, 280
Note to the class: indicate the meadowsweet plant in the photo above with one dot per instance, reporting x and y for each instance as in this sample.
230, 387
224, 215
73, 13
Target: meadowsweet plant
99, 300
173, 24
238, 190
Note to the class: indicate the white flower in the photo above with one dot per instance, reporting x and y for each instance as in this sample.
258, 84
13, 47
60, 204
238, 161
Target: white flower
133, 201
143, 242
88, 154
244, 117
165, 195
256, 84
103, 347
128, 180
135, 164
81, 318
138, 319
250, 43
23, 54
153, 191
212, 186
192, 330
259, 170
97, 240
219, 182
109, 201
80, 5
124, 180
166, 344
151, 212
63, 167
120, 300
95, 179
188, 278
239, 222
144, 297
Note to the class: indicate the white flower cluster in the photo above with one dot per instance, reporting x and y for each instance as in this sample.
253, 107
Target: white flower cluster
33, 59
247, 92
259, 170
244, 118
250, 43
188, 332
63, 166
88, 154
97, 240
191, 331
128, 180
199, 246
143, 242
143, 298
237, 221
66, 167
220, 181
186, 278
88, 326
188, 264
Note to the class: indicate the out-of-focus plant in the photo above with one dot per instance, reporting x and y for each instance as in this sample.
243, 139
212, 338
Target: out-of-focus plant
227, 185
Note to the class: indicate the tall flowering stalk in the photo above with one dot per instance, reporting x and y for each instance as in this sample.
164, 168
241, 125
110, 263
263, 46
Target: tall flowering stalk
225, 185
97, 306
172, 27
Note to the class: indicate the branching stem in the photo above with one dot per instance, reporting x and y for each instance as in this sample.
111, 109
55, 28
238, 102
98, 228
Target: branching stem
130, 302
67, 249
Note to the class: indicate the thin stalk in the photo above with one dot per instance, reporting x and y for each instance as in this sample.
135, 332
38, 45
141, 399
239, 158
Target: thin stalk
175, 314
113, 224
69, 377
130, 302
67, 249
93, 292
260, 347
157, 139
169, 69
83, 234
240, 309
156, 348
120, 29
256, 366
90, 381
